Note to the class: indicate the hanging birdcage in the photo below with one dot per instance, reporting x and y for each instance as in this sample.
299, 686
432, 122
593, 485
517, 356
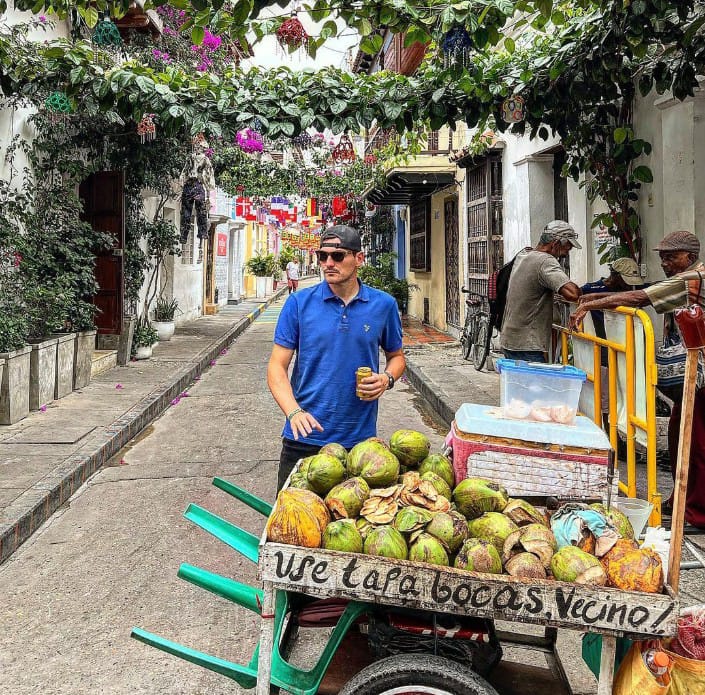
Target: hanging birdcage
344, 151
456, 47
303, 140
58, 106
513, 109
146, 128
105, 37
291, 34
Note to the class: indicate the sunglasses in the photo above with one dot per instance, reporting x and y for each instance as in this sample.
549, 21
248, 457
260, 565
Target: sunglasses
337, 256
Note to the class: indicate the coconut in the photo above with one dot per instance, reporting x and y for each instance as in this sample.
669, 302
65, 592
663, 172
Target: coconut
618, 519
374, 462
311, 500
534, 538
410, 447
570, 564
522, 513
299, 480
440, 465
303, 464
324, 473
337, 450
477, 555
442, 488
378, 440
493, 527
525, 565
410, 519
364, 527
293, 523
633, 569
450, 528
345, 500
342, 535
386, 541
428, 549
475, 496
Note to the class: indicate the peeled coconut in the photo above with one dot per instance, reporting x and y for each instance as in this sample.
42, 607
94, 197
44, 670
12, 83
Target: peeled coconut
324, 473
477, 555
525, 565
337, 450
410, 447
386, 541
570, 564
364, 527
410, 519
440, 465
475, 496
633, 569
427, 548
534, 538
345, 500
618, 519
342, 535
442, 488
450, 528
493, 527
522, 513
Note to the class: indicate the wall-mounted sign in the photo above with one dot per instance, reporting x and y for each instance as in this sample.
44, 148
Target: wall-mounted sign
222, 248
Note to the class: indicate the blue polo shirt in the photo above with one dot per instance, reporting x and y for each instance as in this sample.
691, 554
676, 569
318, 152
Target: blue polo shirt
331, 341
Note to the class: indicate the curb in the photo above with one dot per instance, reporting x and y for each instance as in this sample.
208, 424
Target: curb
431, 392
38, 504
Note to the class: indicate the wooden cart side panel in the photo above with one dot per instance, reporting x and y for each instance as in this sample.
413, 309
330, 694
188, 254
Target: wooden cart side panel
392, 582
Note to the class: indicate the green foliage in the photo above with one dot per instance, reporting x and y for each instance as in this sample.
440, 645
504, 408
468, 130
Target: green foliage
288, 254
144, 335
165, 309
381, 276
262, 265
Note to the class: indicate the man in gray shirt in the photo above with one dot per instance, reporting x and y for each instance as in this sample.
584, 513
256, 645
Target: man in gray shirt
536, 276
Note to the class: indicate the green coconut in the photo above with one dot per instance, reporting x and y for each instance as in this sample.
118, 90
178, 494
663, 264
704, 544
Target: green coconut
618, 519
440, 465
374, 462
477, 555
342, 535
324, 473
442, 488
570, 564
493, 527
303, 464
427, 548
345, 500
522, 513
299, 480
450, 528
337, 450
364, 526
410, 447
475, 496
410, 519
385, 541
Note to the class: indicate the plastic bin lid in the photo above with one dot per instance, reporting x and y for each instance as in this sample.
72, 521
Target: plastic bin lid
472, 418
562, 371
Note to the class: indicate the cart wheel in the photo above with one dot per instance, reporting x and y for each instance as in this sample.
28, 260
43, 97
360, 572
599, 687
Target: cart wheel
417, 674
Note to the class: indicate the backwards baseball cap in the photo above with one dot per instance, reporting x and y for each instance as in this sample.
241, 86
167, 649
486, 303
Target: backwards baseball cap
679, 241
628, 269
559, 230
349, 238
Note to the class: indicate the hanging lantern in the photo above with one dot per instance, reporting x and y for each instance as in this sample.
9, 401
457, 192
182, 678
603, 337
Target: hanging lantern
146, 128
344, 150
371, 160
58, 106
291, 34
513, 109
456, 47
106, 35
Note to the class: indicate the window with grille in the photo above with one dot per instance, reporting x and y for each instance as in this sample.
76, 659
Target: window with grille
420, 236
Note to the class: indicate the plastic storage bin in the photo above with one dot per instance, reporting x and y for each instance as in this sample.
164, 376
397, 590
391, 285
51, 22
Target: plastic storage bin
539, 392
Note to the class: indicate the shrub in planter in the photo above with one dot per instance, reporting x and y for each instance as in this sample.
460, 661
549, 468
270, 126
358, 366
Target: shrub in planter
262, 266
143, 339
164, 313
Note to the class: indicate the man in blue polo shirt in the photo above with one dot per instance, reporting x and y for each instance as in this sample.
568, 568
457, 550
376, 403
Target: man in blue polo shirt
334, 328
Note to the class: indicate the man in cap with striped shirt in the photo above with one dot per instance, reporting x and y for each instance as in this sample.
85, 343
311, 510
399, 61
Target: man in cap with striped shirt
679, 252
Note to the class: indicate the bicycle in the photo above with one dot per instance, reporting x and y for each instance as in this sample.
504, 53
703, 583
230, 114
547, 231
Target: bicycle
477, 331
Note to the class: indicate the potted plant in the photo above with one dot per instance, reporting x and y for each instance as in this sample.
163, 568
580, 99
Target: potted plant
164, 313
143, 339
381, 275
262, 267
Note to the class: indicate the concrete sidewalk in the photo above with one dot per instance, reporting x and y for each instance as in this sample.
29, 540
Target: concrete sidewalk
47, 456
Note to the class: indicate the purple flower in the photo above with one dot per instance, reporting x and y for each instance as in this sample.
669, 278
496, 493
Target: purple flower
184, 394
209, 151
43, 409
197, 378
118, 386
42, 19
224, 351
212, 363
176, 400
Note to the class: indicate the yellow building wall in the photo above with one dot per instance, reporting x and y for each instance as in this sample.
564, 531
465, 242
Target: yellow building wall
255, 242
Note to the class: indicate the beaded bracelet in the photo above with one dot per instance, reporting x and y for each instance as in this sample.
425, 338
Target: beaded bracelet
293, 412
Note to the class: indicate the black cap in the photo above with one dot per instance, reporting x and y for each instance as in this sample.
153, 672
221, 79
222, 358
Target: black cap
349, 237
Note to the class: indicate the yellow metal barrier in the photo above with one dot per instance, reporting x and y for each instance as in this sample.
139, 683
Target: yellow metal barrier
633, 422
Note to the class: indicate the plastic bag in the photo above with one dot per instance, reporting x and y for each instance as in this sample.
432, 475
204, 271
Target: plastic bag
687, 676
634, 678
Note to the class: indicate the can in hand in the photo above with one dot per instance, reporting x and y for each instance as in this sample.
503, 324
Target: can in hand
360, 374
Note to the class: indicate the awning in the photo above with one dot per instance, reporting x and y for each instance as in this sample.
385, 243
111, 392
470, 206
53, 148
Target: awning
403, 188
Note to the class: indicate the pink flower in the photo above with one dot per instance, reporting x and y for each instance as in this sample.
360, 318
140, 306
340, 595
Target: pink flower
122, 462
42, 19
118, 386
197, 378
176, 400
212, 363
43, 409
184, 394
224, 351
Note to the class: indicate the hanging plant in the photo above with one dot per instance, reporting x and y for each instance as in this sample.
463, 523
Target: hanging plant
106, 35
58, 106
146, 128
456, 47
344, 151
291, 34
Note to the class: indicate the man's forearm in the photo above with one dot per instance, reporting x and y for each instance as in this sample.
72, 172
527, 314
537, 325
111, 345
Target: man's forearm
395, 365
280, 387
634, 298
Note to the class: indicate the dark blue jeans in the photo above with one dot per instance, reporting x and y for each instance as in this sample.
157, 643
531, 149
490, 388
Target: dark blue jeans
525, 355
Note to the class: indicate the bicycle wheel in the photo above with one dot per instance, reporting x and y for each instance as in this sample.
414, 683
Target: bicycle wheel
467, 338
481, 344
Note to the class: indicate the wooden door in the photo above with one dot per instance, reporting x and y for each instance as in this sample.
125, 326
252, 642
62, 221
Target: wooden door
452, 272
103, 198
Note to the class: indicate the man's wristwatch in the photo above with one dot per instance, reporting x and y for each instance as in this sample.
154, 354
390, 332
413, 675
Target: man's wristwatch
391, 380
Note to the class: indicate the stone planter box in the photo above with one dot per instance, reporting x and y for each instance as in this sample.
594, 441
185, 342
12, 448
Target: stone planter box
65, 349
42, 373
14, 388
261, 287
83, 357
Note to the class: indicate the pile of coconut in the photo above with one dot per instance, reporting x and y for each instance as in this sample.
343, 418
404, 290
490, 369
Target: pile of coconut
396, 500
